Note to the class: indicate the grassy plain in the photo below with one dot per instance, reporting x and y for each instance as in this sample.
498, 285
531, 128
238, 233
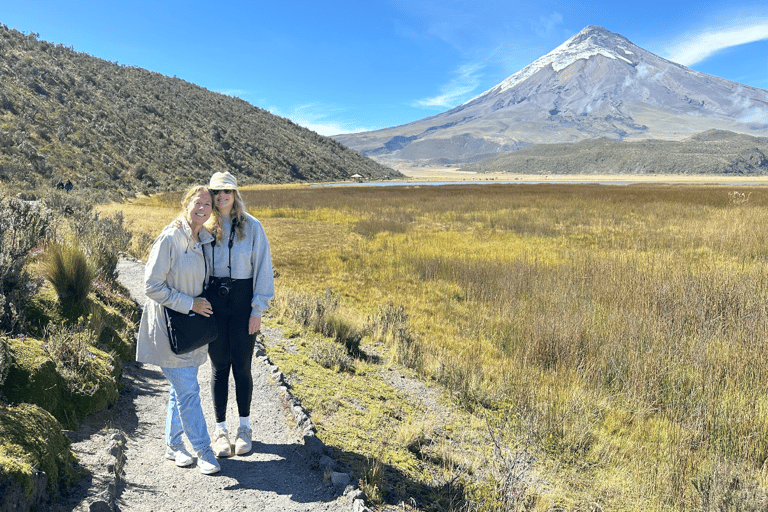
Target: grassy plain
603, 347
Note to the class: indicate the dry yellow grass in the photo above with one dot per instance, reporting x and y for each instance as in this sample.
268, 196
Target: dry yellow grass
622, 328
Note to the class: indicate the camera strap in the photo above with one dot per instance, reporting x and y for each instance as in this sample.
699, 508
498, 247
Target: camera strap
230, 244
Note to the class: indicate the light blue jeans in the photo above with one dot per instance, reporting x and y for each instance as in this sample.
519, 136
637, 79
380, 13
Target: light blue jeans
185, 413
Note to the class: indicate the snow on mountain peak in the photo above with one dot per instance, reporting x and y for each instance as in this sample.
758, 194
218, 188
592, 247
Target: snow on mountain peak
589, 42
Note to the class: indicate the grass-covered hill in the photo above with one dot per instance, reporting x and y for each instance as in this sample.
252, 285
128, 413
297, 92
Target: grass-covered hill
714, 152
65, 114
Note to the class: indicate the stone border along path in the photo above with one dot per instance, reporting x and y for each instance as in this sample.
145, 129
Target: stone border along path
289, 468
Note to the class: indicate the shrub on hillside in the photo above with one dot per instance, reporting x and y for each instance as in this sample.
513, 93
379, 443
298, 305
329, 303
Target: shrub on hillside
24, 225
87, 371
102, 239
5, 362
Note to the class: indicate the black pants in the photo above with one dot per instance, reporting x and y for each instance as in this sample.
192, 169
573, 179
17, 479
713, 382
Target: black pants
233, 349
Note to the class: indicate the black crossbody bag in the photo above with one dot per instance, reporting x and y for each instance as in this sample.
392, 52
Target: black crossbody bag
188, 332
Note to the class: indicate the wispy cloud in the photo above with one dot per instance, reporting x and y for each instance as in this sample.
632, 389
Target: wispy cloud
546, 25
317, 117
465, 81
699, 46
239, 93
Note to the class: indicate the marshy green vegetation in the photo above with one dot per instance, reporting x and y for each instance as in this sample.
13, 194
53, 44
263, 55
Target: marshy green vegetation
65, 325
600, 347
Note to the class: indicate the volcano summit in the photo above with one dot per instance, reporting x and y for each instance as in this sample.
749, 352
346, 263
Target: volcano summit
596, 84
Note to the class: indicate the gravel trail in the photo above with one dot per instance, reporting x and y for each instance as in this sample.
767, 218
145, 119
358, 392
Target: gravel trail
123, 449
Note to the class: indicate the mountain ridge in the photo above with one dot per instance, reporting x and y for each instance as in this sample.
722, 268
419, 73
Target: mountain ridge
714, 152
596, 84
126, 130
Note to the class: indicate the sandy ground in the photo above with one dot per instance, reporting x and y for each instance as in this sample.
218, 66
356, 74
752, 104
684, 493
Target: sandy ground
452, 174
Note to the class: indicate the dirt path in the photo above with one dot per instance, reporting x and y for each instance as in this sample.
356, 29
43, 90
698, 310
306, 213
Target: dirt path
123, 449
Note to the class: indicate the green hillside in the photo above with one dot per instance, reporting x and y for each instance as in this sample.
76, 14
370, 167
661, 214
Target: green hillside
65, 114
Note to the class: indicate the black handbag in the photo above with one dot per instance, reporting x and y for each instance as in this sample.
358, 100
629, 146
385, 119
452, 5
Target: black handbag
188, 332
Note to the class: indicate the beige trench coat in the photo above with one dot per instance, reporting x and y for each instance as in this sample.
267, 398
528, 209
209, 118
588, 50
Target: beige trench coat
173, 276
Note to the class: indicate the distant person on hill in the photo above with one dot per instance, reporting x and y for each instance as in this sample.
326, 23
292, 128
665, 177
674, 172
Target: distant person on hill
174, 275
68, 186
241, 286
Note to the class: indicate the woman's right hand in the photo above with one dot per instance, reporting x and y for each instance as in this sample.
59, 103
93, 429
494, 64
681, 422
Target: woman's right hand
201, 306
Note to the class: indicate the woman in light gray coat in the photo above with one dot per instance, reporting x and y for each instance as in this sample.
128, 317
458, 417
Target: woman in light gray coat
174, 275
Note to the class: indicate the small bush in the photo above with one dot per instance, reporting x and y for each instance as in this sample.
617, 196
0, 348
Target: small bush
343, 332
5, 361
308, 311
67, 269
24, 225
331, 355
390, 326
140, 245
318, 313
103, 239
76, 360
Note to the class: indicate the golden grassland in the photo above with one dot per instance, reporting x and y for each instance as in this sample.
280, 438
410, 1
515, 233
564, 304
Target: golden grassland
616, 333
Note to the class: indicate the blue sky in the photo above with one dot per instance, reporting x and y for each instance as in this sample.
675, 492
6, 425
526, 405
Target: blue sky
340, 66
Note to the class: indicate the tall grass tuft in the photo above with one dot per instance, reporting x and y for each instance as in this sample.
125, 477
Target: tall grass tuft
68, 271
390, 325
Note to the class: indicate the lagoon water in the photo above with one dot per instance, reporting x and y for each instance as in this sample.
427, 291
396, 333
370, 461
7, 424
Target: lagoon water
518, 182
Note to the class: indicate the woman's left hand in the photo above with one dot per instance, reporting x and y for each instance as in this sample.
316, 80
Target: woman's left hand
254, 325
201, 306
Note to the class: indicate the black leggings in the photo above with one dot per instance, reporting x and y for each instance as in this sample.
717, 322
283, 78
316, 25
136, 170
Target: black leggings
233, 349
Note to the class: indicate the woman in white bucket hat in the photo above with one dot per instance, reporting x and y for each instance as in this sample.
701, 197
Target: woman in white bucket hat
240, 289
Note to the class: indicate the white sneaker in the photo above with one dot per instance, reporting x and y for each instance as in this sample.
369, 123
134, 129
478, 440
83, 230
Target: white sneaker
207, 463
220, 444
243, 440
179, 454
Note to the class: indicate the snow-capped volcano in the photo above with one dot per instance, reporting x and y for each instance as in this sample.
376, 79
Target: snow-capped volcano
588, 43
596, 84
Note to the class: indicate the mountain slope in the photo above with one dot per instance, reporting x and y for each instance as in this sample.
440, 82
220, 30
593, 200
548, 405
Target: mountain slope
65, 114
713, 152
596, 84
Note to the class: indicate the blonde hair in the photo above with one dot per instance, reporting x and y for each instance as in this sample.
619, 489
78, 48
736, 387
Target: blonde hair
237, 216
191, 193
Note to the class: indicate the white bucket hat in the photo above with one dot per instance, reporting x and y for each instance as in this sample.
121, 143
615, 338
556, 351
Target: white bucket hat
223, 181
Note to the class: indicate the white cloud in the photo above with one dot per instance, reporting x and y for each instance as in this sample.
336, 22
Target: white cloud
320, 119
699, 46
456, 90
239, 93
547, 24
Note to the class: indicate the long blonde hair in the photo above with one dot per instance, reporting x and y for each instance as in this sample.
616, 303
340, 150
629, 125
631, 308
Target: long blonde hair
237, 216
192, 191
